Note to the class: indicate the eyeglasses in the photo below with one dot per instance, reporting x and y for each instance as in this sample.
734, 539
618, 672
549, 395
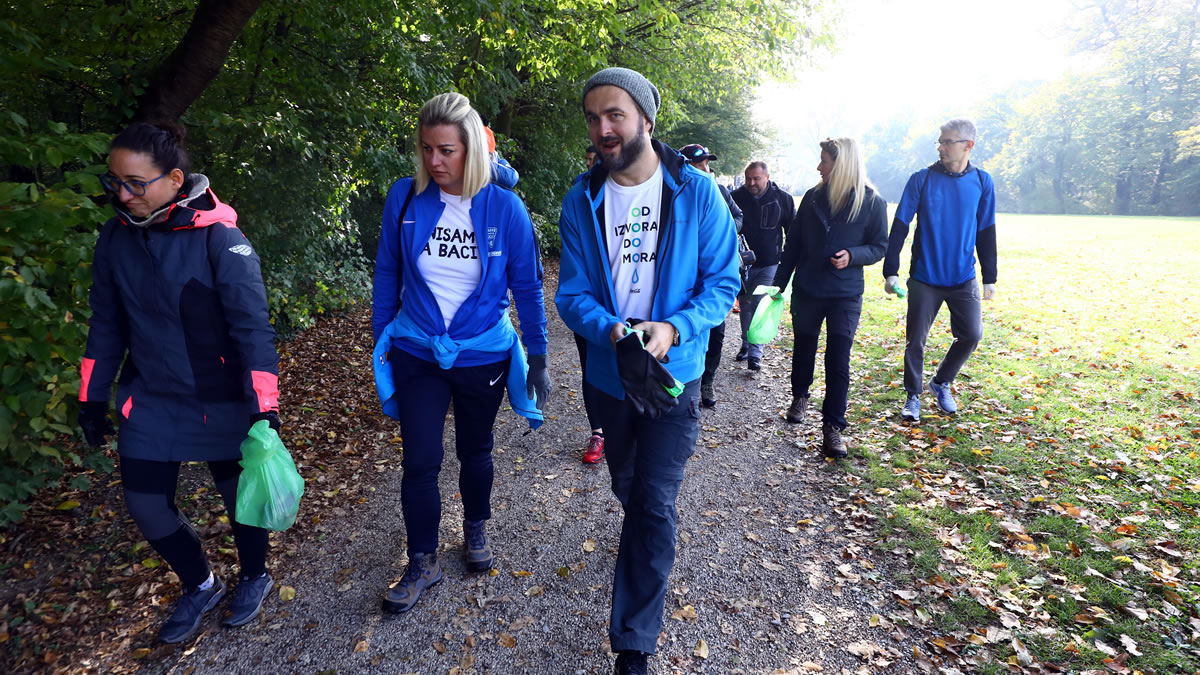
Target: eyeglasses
948, 142
134, 187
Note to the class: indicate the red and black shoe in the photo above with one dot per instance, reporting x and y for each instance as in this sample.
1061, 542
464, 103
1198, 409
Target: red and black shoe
595, 449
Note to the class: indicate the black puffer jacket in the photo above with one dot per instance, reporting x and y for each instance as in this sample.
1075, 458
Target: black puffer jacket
817, 235
765, 221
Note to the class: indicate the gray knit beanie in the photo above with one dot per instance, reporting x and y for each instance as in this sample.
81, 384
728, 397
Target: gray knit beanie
644, 94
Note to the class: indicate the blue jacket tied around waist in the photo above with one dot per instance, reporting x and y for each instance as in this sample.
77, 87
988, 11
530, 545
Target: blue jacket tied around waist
406, 315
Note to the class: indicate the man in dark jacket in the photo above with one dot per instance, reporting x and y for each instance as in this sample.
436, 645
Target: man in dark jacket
698, 156
767, 213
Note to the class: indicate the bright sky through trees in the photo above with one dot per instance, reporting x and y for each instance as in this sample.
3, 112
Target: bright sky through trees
918, 57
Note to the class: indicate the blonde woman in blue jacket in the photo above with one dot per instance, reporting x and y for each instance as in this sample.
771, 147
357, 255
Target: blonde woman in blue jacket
451, 248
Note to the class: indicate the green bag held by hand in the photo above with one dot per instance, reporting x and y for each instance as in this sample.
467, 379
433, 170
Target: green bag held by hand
765, 324
269, 489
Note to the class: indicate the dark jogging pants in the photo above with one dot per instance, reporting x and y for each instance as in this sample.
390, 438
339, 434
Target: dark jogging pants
425, 392
646, 460
840, 316
589, 392
149, 489
966, 325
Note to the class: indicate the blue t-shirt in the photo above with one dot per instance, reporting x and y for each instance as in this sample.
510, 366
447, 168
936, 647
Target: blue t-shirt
955, 208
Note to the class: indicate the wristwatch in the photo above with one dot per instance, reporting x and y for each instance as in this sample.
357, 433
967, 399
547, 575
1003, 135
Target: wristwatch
674, 340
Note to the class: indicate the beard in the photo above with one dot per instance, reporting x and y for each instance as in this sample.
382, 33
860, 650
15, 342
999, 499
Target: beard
629, 153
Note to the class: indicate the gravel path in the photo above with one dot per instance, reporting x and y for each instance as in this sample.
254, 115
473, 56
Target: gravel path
775, 573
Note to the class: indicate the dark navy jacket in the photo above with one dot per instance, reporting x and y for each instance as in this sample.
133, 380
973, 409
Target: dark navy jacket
184, 298
765, 221
817, 234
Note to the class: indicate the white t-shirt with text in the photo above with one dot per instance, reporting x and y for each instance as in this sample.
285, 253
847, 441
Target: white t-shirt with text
631, 222
450, 262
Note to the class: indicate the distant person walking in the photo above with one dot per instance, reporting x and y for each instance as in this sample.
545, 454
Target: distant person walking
452, 246
841, 227
955, 205
593, 452
699, 157
645, 238
179, 309
767, 213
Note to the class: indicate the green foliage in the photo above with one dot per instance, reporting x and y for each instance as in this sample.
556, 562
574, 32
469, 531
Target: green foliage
307, 126
48, 224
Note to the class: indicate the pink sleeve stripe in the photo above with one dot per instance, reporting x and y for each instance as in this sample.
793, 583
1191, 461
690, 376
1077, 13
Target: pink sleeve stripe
266, 386
85, 371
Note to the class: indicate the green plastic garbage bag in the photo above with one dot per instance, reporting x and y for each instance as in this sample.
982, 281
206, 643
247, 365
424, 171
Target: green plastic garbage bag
269, 489
765, 323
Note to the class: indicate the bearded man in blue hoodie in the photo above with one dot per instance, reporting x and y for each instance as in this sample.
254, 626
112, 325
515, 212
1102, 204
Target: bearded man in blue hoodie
644, 235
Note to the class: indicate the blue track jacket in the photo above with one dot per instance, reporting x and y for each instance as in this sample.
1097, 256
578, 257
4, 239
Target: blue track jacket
509, 257
697, 271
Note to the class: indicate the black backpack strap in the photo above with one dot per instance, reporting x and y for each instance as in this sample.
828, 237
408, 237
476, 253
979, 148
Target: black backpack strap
412, 188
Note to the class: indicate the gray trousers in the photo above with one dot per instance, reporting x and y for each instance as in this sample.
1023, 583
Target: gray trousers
757, 276
966, 325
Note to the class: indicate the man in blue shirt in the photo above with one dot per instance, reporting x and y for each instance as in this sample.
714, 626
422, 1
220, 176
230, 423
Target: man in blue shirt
955, 205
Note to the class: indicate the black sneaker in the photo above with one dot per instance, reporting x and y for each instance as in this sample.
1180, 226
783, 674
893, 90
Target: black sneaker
795, 413
423, 572
708, 395
632, 663
833, 445
742, 354
248, 598
754, 363
189, 611
477, 550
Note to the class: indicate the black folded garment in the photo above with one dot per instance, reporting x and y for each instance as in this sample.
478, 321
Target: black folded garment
648, 384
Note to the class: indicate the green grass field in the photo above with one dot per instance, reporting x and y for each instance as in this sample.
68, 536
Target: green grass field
1060, 505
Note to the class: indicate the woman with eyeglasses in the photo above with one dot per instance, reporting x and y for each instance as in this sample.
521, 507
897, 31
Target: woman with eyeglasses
452, 246
179, 309
840, 228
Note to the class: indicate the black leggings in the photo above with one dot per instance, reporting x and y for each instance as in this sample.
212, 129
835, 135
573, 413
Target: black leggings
150, 496
589, 392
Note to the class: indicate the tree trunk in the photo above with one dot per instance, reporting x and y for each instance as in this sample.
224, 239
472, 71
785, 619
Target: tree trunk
1123, 192
197, 59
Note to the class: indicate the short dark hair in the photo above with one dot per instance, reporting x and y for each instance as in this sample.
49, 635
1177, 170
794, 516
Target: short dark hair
758, 164
591, 150
163, 141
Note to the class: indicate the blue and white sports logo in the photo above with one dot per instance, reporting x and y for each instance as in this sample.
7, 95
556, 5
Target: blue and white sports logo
241, 249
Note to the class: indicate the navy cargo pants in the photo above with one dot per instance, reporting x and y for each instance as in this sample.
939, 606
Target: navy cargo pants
646, 458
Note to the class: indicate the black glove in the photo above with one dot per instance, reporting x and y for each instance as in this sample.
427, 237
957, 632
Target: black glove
95, 422
538, 381
270, 416
645, 379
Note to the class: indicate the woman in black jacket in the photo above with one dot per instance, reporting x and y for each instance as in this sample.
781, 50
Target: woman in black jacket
180, 311
840, 227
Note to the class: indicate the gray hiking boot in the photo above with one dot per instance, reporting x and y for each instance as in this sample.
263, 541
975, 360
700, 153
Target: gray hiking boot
477, 550
833, 444
795, 413
708, 395
423, 571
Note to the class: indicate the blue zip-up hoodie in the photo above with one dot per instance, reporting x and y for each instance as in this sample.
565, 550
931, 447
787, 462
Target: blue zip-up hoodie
696, 274
508, 255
